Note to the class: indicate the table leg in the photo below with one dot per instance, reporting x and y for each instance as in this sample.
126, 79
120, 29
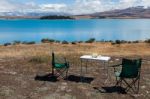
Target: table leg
107, 73
81, 74
86, 65
52, 70
104, 68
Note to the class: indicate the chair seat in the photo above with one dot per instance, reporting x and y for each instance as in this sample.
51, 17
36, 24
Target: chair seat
118, 74
60, 65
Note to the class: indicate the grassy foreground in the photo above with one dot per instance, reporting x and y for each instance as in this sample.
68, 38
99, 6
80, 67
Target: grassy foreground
20, 64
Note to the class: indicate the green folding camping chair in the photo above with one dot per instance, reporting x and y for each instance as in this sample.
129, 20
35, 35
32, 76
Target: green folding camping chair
129, 74
60, 66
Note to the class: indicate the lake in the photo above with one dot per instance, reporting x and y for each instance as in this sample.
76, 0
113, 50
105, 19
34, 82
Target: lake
74, 30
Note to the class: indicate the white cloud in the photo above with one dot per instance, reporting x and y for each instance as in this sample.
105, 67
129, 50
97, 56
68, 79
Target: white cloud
146, 3
86, 6
79, 6
5, 6
52, 7
10, 6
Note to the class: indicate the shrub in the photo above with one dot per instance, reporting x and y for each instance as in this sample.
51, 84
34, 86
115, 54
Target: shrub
135, 42
44, 40
80, 41
16, 42
31, 42
73, 42
65, 42
51, 40
118, 42
129, 42
147, 41
123, 41
91, 40
47, 40
6, 44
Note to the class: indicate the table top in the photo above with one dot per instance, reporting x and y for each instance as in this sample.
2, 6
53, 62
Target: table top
101, 58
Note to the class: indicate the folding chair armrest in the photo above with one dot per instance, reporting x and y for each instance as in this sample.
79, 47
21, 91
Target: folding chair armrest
66, 61
115, 65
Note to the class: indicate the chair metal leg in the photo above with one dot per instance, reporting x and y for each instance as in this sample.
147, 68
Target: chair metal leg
81, 75
60, 72
128, 86
118, 81
119, 84
67, 73
132, 85
138, 85
52, 70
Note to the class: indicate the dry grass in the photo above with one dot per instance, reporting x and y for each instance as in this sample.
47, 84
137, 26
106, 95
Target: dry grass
19, 65
16, 51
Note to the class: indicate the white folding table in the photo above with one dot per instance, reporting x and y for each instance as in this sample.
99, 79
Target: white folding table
103, 59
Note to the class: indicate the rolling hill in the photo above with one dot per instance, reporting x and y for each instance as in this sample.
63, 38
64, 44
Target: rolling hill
132, 12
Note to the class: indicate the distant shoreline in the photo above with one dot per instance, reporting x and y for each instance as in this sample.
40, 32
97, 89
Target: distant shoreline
67, 19
76, 17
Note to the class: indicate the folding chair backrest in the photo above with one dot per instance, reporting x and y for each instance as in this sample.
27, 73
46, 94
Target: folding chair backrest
130, 68
53, 59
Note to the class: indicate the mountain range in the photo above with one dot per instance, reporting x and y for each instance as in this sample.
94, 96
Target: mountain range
132, 12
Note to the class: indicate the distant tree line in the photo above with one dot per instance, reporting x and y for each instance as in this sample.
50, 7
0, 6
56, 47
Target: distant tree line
90, 40
56, 17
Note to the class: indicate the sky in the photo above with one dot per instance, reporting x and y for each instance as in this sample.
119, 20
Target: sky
68, 6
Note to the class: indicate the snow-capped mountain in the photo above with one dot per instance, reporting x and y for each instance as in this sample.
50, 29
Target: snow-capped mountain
31, 14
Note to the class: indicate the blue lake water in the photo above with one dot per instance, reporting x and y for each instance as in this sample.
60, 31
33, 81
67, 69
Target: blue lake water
74, 30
